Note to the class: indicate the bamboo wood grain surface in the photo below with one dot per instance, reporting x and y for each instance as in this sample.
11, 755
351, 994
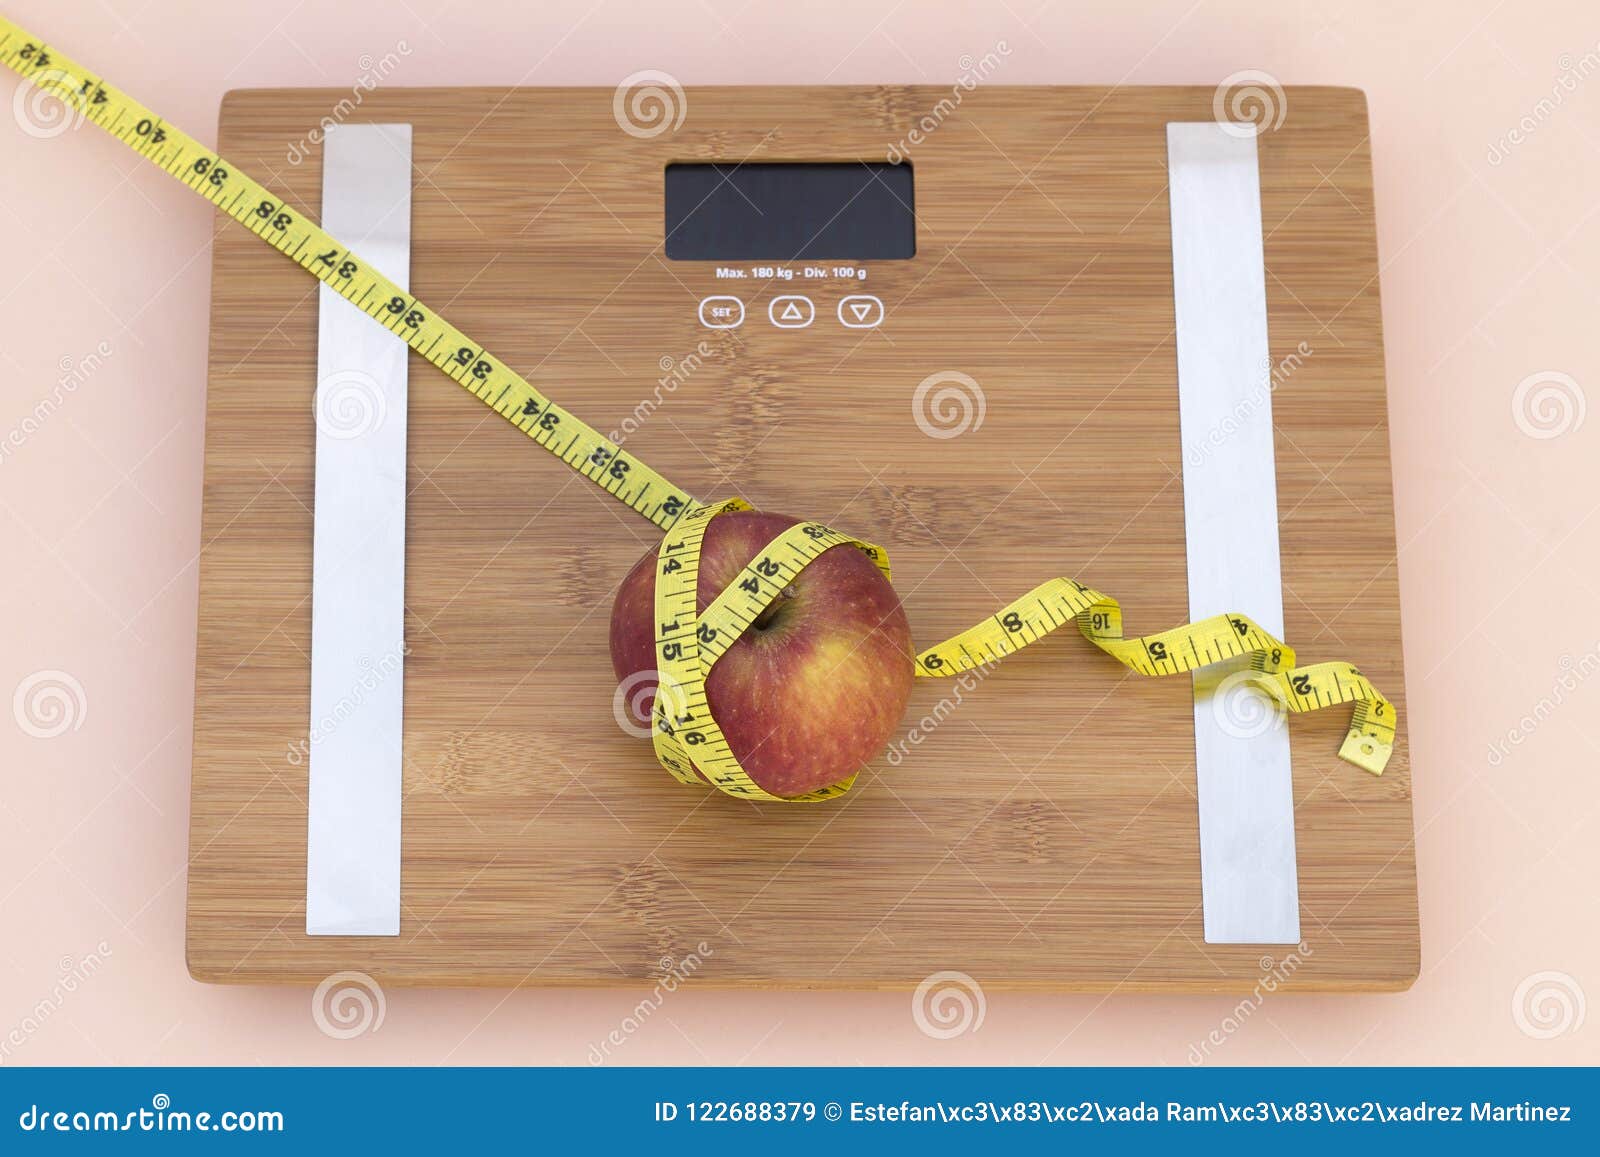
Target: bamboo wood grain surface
1041, 832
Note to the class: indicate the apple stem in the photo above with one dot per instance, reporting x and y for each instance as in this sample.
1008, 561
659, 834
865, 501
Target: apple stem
770, 612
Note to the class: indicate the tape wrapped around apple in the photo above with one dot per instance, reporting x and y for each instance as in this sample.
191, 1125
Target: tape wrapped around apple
812, 691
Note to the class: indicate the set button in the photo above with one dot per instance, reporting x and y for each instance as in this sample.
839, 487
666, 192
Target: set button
721, 312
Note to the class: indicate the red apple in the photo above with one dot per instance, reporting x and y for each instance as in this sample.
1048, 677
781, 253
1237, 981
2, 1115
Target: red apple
813, 689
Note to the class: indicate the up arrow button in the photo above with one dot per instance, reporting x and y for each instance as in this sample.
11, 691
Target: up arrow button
791, 311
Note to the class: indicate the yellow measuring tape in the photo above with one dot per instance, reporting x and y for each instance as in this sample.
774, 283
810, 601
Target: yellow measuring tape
686, 737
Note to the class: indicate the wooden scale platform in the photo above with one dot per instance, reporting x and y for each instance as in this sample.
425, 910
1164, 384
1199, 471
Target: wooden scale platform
1044, 835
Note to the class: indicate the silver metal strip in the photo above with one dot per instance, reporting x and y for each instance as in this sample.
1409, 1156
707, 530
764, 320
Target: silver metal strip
358, 567
1230, 501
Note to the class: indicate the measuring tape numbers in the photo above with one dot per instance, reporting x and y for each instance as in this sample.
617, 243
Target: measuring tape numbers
688, 742
575, 442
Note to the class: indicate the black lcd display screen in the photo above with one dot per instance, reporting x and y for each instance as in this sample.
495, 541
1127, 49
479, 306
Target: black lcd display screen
783, 211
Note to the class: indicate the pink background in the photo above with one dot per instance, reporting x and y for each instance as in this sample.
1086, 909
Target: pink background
1490, 249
